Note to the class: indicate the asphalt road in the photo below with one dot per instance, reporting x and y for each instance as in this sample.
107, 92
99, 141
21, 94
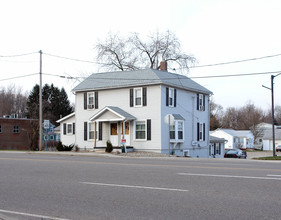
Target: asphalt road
79, 187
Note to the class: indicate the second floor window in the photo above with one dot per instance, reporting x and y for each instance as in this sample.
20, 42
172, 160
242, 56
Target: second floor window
138, 96
91, 99
200, 102
171, 97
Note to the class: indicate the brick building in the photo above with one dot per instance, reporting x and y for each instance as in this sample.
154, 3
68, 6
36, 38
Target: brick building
18, 134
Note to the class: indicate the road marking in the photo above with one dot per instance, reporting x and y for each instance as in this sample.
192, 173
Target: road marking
139, 187
273, 175
32, 215
229, 176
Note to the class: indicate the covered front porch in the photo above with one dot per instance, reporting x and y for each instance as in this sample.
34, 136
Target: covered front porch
112, 124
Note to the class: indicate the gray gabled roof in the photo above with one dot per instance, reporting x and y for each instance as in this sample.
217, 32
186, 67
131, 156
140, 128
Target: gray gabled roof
122, 79
117, 111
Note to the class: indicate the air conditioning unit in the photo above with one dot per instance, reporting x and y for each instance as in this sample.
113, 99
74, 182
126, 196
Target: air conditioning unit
91, 106
194, 143
201, 108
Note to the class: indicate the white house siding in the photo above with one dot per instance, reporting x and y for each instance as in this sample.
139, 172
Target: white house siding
268, 144
186, 106
67, 139
221, 134
120, 98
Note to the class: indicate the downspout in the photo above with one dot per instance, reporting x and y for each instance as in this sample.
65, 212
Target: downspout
95, 143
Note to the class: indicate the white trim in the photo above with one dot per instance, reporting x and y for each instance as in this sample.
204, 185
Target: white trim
108, 109
136, 89
66, 117
135, 129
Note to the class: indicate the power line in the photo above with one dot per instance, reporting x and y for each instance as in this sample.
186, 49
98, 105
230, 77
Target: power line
236, 61
18, 55
17, 77
73, 59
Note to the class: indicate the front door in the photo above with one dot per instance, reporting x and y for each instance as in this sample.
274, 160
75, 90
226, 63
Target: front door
114, 134
127, 133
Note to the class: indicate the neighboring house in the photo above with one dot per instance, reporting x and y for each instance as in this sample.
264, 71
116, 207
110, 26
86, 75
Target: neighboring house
49, 137
150, 110
67, 129
216, 148
18, 133
267, 139
57, 133
235, 138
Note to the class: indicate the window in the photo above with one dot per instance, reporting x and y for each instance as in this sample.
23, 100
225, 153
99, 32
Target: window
138, 96
16, 129
51, 137
45, 137
171, 97
91, 100
200, 102
92, 131
69, 128
176, 130
180, 130
0, 129
200, 131
140, 130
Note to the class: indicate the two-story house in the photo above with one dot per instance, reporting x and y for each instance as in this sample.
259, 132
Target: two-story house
150, 110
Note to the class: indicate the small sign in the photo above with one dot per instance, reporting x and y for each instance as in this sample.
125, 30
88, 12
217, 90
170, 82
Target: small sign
46, 124
123, 141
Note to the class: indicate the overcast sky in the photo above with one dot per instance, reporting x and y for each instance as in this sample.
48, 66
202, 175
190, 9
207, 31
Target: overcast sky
214, 31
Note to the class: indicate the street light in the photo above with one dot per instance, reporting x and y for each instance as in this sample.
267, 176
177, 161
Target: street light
272, 109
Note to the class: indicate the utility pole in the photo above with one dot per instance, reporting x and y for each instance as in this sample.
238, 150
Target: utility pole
40, 103
272, 112
272, 109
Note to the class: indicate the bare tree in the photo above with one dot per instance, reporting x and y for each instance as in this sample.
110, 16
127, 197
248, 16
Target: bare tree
12, 101
216, 114
134, 52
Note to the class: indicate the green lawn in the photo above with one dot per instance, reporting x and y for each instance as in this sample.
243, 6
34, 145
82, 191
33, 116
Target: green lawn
268, 158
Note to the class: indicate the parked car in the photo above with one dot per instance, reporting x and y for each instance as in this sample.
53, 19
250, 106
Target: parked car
235, 153
278, 148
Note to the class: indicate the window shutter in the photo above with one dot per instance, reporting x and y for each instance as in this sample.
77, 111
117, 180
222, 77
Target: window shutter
96, 100
144, 96
131, 97
85, 130
198, 132
175, 98
85, 100
219, 148
167, 96
73, 128
64, 128
204, 132
204, 102
197, 101
148, 136
100, 131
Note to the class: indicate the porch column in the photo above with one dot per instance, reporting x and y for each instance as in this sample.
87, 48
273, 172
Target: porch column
95, 134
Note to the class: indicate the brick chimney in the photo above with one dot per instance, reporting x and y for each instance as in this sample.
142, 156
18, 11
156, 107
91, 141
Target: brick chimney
163, 65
